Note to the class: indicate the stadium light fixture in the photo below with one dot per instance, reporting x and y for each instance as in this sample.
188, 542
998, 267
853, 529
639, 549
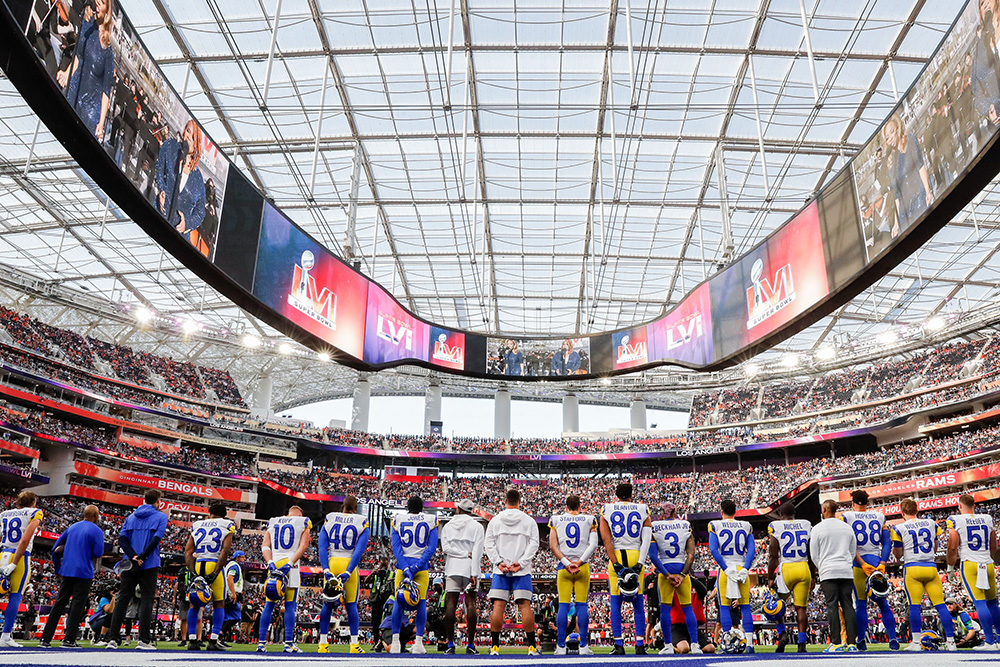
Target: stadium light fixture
189, 327
143, 314
751, 370
285, 348
790, 361
936, 323
251, 342
323, 356
887, 337
826, 353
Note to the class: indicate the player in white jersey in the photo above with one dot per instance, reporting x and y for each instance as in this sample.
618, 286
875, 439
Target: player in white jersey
285, 542
463, 540
972, 543
626, 532
673, 555
205, 554
914, 542
342, 544
733, 548
414, 539
874, 547
788, 570
17, 535
573, 540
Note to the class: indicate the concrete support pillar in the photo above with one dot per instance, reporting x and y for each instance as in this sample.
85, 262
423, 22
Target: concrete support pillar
362, 400
262, 394
637, 414
571, 413
501, 415
432, 407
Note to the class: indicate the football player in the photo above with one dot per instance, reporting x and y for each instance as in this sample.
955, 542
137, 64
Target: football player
673, 555
573, 540
17, 534
414, 540
874, 547
511, 543
972, 539
462, 541
285, 542
913, 543
205, 554
788, 567
626, 532
733, 548
342, 544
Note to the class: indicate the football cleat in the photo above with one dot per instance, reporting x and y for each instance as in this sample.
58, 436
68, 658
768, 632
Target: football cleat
586, 650
291, 648
356, 648
494, 650
323, 648
696, 649
533, 651
640, 650
618, 650
560, 650
471, 650
418, 648
667, 650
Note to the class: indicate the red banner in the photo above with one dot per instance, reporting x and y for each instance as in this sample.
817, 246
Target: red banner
9, 446
414, 479
148, 481
150, 444
930, 482
942, 502
130, 501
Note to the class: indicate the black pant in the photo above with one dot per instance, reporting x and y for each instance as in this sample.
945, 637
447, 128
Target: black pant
378, 604
146, 581
79, 590
839, 595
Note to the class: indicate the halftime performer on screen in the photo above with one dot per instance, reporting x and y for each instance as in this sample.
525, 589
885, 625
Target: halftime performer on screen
673, 554
733, 548
18, 525
972, 540
874, 547
414, 540
573, 539
342, 544
285, 542
626, 532
914, 542
788, 570
206, 553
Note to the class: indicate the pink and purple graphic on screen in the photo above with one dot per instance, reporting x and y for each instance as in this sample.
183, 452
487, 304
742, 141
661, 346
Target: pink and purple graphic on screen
629, 348
447, 348
685, 333
391, 333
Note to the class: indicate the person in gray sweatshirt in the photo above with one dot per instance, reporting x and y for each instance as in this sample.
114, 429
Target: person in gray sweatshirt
511, 543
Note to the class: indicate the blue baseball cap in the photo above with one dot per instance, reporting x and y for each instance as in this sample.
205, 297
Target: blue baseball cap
237, 554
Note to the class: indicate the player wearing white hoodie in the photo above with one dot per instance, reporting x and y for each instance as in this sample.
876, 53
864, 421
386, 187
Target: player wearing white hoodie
511, 543
462, 543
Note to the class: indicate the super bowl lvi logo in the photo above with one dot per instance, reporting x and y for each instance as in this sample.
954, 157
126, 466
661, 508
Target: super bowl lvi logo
628, 352
450, 353
767, 295
307, 298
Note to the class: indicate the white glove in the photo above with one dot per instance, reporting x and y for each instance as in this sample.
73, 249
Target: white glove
7, 569
742, 574
732, 572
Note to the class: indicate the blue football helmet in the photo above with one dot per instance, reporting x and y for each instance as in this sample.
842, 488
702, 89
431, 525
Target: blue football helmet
629, 583
274, 587
930, 641
333, 589
4, 585
199, 592
734, 642
408, 593
773, 605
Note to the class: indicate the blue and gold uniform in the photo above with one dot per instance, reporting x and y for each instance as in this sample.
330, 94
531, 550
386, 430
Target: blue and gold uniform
342, 544
209, 536
793, 558
669, 556
733, 548
873, 547
917, 540
15, 524
976, 535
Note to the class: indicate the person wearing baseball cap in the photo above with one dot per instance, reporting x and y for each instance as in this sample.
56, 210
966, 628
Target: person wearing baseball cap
234, 594
462, 540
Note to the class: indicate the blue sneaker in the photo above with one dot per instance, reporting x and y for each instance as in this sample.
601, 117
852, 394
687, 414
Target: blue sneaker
893, 644
749, 648
862, 645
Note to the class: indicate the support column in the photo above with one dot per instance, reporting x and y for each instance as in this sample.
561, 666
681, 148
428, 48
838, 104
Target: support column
637, 414
501, 415
362, 399
432, 407
262, 397
571, 413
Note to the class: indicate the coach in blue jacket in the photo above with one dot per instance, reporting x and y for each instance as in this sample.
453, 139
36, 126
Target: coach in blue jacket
140, 542
74, 555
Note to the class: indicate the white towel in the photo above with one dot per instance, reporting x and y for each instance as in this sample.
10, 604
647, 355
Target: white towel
732, 584
783, 588
983, 576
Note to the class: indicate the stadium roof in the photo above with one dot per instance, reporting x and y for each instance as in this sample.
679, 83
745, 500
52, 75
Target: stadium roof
528, 167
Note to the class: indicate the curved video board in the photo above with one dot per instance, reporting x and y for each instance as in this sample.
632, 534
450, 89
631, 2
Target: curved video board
86, 73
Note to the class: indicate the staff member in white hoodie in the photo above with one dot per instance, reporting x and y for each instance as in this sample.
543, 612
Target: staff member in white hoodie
511, 543
462, 541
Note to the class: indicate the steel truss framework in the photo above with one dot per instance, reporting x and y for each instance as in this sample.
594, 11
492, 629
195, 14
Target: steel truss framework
530, 167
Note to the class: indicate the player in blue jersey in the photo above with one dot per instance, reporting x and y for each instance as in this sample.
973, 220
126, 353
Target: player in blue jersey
874, 548
627, 533
733, 548
342, 544
414, 541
